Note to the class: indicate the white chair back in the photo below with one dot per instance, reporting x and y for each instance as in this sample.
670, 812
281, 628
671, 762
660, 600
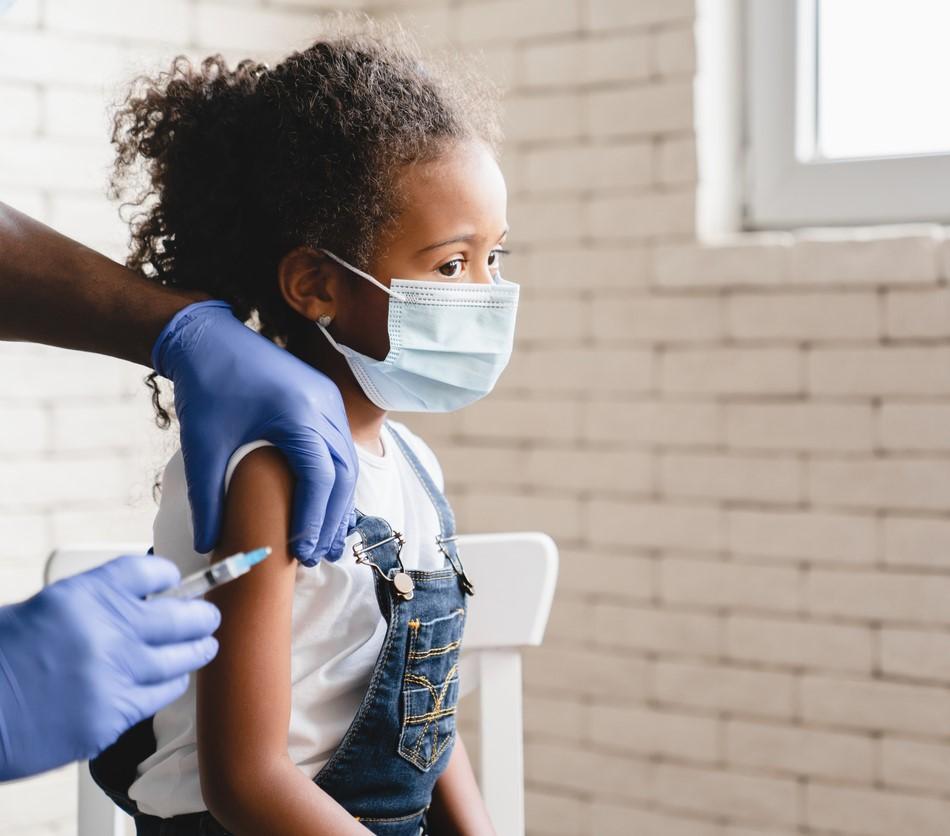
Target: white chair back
514, 576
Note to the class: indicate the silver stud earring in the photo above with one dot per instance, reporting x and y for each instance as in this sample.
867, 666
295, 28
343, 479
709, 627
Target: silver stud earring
324, 320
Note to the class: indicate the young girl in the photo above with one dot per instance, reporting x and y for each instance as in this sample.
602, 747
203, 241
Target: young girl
352, 199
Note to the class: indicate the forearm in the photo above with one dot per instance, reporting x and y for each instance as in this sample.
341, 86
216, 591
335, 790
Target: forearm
457, 805
277, 798
243, 701
56, 291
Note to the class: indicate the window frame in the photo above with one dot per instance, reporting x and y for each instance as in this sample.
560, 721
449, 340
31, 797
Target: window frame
781, 191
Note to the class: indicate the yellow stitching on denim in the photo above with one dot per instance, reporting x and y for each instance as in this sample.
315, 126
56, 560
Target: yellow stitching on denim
438, 703
438, 710
422, 736
436, 749
442, 648
428, 718
438, 753
421, 680
413, 757
417, 622
435, 651
426, 682
413, 635
432, 715
415, 625
448, 680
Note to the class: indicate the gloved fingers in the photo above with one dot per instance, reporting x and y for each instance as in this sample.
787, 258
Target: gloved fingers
338, 511
348, 522
138, 574
171, 620
154, 665
151, 698
205, 478
331, 431
316, 513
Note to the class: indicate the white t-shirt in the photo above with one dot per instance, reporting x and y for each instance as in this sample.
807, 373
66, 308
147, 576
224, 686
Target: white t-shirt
338, 628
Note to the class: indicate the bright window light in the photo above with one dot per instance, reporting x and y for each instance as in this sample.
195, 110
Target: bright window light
845, 112
882, 78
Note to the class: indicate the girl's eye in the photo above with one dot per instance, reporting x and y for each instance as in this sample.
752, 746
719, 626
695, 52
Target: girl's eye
452, 273
494, 257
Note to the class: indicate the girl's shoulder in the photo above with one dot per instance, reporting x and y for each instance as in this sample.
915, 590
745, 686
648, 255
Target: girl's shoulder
173, 484
425, 453
173, 520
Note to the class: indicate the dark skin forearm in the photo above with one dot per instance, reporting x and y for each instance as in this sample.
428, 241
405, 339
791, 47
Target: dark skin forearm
243, 701
457, 805
56, 291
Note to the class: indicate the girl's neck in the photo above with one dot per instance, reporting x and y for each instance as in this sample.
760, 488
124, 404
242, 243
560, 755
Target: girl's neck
364, 417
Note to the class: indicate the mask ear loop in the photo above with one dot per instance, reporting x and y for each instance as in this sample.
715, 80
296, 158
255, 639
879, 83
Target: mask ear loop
329, 336
366, 276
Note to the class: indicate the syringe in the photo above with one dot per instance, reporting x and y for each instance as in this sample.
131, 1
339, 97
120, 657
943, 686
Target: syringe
216, 574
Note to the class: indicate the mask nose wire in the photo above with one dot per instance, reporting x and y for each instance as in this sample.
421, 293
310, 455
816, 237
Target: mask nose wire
366, 276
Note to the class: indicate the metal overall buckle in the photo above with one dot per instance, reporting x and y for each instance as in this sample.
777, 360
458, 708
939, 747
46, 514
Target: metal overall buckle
440, 541
402, 582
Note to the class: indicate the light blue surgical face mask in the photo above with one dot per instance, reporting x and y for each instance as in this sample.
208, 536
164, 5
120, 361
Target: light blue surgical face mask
448, 343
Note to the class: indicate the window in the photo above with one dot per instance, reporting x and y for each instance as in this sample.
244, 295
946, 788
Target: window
847, 112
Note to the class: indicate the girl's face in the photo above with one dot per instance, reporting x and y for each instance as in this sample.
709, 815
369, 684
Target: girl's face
452, 229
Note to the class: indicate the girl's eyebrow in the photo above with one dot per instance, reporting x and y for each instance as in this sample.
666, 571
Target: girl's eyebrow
457, 239
471, 236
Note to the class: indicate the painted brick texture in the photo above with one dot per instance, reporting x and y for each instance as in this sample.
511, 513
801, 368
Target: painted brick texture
741, 449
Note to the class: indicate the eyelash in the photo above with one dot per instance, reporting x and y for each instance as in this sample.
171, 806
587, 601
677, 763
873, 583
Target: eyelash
499, 250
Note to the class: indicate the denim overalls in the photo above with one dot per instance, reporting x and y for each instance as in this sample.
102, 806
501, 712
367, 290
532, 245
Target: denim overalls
400, 740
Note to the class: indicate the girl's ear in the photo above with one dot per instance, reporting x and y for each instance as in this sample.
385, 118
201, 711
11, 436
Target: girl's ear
310, 282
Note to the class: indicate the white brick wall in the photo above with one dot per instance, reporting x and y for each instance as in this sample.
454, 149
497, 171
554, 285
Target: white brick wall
741, 449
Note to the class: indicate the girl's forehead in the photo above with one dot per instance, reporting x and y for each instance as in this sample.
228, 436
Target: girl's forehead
461, 191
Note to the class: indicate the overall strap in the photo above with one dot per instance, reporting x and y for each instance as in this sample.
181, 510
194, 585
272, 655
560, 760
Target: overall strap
446, 540
379, 547
442, 507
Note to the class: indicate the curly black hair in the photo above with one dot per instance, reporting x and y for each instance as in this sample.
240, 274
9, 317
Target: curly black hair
242, 165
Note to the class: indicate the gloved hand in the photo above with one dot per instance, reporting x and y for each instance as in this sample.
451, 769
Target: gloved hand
87, 658
233, 386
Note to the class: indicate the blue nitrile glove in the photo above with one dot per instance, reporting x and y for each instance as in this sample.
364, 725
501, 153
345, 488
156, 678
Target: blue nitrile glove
87, 658
233, 386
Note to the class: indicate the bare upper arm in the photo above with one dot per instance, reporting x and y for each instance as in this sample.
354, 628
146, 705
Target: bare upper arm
243, 695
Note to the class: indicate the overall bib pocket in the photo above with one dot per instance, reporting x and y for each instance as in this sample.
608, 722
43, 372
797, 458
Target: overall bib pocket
430, 689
